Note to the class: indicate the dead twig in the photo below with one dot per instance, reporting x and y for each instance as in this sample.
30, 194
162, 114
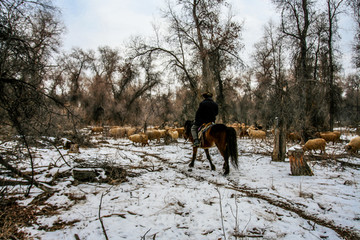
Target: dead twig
221, 213
100, 218
143, 237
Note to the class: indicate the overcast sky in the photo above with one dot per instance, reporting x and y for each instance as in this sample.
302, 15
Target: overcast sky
94, 23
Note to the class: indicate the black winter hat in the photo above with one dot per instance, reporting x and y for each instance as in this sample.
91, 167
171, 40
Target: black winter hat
207, 95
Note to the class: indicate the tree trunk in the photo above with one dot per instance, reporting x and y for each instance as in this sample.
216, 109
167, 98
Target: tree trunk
298, 165
279, 151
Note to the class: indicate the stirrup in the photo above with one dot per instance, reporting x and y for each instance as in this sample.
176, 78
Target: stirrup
196, 143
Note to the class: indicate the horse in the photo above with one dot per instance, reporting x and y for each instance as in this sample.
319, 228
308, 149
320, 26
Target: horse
223, 137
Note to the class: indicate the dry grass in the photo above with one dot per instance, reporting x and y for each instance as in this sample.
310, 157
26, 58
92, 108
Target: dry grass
13, 217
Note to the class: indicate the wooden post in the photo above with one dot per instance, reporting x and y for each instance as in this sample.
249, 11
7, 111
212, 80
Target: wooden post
298, 164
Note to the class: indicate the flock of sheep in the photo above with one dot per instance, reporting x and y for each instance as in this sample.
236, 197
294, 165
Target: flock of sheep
142, 138
173, 133
318, 143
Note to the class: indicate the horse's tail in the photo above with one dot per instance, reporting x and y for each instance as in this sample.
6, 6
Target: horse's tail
231, 146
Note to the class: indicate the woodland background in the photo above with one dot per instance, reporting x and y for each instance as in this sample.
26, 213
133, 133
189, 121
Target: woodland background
295, 73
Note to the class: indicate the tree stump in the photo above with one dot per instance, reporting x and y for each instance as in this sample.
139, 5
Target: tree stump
298, 164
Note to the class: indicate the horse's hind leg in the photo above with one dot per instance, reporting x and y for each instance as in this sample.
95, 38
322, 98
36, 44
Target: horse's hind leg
209, 158
193, 157
226, 165
223, 153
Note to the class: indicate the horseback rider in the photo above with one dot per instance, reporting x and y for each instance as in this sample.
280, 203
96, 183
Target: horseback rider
207, 112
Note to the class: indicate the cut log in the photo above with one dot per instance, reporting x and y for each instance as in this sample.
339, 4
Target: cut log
87, 174
298, 164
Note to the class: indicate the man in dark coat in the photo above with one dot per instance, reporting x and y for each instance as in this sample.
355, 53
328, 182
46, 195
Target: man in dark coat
207, 112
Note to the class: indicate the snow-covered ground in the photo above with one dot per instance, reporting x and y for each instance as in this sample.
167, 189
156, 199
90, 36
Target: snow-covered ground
163, 199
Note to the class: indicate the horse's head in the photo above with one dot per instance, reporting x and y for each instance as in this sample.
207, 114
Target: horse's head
187, 127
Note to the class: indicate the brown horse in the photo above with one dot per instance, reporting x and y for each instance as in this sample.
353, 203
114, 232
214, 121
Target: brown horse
220, 135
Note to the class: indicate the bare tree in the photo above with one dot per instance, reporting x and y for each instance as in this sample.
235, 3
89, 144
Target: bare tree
297, 18
200, 47
333, 11
270, 73
350, 110
30, 32
72, 68
355, 6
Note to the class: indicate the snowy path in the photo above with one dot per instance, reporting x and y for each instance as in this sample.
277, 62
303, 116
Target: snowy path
273, 199
167, 201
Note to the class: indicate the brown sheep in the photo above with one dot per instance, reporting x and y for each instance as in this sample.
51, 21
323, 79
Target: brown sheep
162, 133
97, 130
74, 148
181, 131
294, 137
130, 131
354, 145
117, 132
257, 134
139, 138
153, 134
174, 134
329, 136
244, 131
315, 144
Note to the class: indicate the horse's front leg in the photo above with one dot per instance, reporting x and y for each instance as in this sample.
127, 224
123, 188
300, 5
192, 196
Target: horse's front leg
193, 157
209, 158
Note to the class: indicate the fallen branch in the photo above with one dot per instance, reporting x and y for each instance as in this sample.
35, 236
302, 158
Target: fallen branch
332, 157
122, 215
4, 182
26, 177
345, 232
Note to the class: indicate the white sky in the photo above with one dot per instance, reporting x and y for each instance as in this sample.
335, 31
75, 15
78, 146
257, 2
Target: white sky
94, 23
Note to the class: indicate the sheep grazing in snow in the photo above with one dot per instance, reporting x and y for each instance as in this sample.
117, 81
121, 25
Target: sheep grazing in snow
294, 137
117, 132
354, 145
315, 144
162, 133
330, 136
74, 148
181, 131
130, 131
173, 134
243, 131
139, 138
153, 134
97, 130
257, 134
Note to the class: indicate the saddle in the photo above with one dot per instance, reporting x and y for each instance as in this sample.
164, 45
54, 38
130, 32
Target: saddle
202, 130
